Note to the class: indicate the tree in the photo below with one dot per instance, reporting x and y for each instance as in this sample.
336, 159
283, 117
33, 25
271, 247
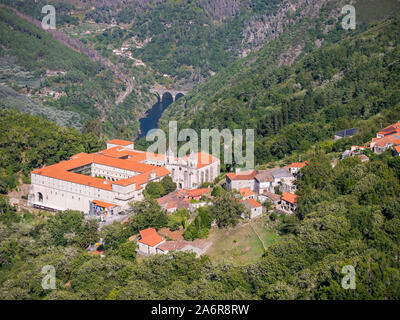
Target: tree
63, 223
89, 234
217, 191
127, 251
227, 211
168, 184
113, 235
154, 190
147, 214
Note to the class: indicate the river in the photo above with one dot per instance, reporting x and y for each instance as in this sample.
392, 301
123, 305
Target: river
153, 115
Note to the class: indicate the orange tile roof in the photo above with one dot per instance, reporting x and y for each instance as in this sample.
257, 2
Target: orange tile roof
150, 237
198, 192
254, 203
96, 252
297, 164
242, 176
251, 203
103, 204
141, 179
61, 171
393, 128
289, 197
397, 148
136, 155
391, 139
120, 142
246, 192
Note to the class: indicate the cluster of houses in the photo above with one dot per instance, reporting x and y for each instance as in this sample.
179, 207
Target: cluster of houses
184, 199
255, 187
355, 151
124, 52
46, 92
387, 138
275, 185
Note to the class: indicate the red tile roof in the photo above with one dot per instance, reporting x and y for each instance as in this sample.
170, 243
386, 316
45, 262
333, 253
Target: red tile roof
289, 197
198, 192
246, 192
391, 139
103, 204
253, 203
397, 148
150, 237
297, 164
248, 175
120, 142
62, 171
393, 128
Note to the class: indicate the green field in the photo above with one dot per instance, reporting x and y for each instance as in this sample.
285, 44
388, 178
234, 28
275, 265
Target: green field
240, 245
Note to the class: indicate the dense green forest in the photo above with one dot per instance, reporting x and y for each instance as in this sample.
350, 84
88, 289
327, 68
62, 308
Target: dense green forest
185, 39
349, 215
292, 108
89, 89
28, 142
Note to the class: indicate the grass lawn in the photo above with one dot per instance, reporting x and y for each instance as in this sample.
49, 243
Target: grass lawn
240, 245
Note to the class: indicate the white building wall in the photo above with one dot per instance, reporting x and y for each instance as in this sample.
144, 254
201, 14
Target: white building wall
112, 172
191, 178
64, 195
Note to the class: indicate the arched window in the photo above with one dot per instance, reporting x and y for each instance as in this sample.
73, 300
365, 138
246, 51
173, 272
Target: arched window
40, 197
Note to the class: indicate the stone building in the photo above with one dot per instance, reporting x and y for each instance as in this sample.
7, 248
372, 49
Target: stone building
116, 176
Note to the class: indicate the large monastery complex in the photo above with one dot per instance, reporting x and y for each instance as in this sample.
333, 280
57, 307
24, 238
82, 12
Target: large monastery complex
110, 179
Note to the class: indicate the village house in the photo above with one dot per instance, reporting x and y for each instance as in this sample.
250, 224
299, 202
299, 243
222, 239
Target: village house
174, 201
261, 181
289, 202
247, 193
149, 241
386, 138
254, 207
274, 198
240, 179
294, 168
267, 180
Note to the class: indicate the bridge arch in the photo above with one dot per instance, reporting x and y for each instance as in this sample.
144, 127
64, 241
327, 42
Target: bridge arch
167, 99
179, 95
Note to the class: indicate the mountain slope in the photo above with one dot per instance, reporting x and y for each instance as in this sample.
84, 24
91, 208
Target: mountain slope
293, 107
59, 77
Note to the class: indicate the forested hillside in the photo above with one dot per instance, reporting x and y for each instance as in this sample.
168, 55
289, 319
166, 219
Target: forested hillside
40, 71
28, 142
293, 107
191, 40
349, 216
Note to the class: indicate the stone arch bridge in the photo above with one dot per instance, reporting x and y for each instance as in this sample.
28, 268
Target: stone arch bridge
169, 95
